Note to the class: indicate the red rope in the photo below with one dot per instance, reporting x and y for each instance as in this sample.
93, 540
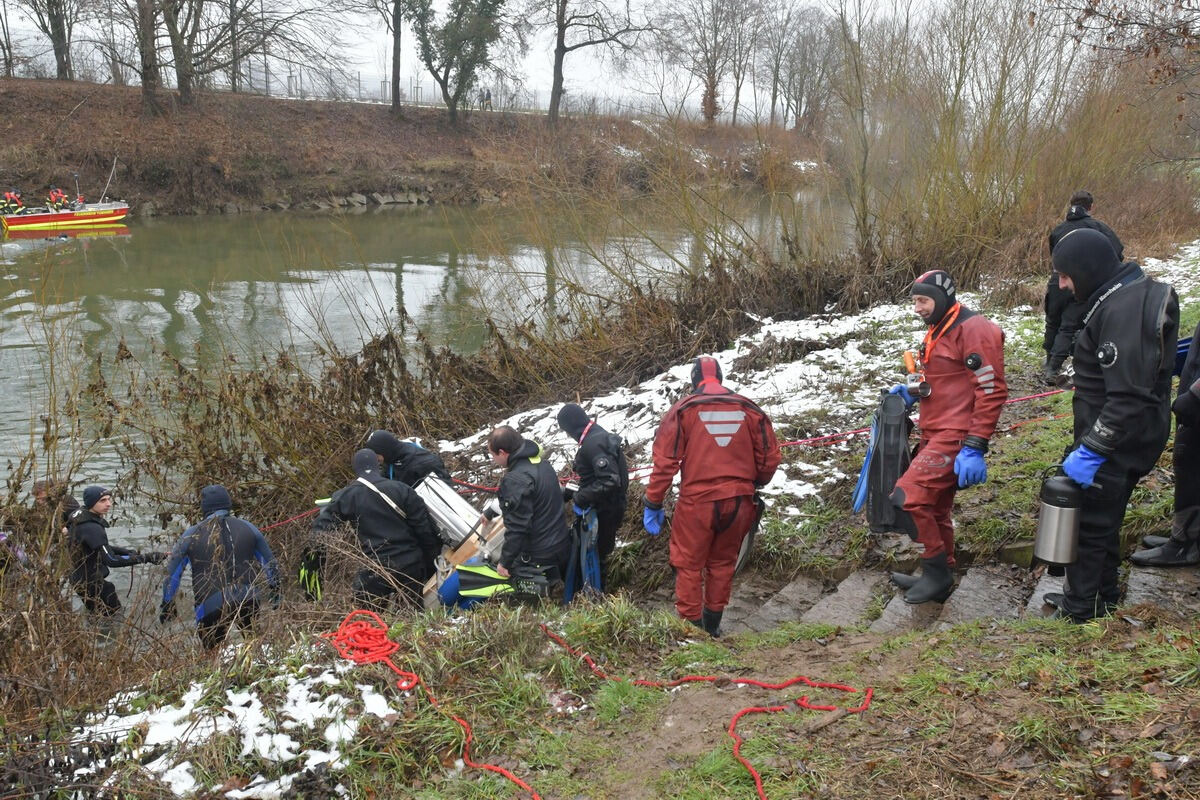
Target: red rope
802, 702
308, 513
365, 641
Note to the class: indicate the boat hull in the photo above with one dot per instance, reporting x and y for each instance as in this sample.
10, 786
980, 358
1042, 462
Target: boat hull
89, 215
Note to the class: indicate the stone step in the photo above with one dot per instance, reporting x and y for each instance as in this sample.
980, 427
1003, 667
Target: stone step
848, 605
786, 605
995, 591
1034, 607
900, 617
1175, 589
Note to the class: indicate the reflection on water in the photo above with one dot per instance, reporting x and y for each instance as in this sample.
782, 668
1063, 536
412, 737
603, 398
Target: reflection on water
205, 287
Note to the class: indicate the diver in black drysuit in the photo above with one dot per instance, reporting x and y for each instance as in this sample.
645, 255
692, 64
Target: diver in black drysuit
93, 555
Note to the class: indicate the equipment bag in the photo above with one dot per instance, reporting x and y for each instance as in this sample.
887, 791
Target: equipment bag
889, 459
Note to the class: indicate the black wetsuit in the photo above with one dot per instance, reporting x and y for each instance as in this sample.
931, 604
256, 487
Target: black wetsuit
603, 486
228, 556
1063, 312
92, 556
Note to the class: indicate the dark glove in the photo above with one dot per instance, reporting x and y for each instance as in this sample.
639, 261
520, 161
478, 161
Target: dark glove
970, 467
157, 557
1187, 409
165, 612
902, 390
1081, 464
568, 493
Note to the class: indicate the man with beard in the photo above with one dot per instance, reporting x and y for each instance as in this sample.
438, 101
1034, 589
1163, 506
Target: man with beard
961, 391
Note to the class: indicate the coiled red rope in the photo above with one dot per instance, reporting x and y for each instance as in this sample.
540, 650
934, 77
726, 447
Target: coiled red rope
362, 638
802, 701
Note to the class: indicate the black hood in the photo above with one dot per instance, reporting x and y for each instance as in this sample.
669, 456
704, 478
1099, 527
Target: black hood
365, 463
573, 420
1087, 257
529, 449
1077, 213
387, 445
214, 498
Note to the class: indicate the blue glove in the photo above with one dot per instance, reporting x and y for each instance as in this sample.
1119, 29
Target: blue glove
902, 390
652, 520
578, 511
970, 467
1081, 465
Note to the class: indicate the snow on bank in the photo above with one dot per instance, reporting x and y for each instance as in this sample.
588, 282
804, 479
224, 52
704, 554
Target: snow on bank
832, 387
267, 721
304, 717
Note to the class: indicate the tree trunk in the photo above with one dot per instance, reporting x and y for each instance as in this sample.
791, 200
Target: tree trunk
60, 40
150, 72
185, 73
560, 55
708, 103
397, 18
235, 56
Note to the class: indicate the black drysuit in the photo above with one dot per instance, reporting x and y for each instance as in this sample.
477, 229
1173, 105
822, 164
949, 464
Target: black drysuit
535, 525
1124, 355
404, 542
1063, 312
405, 461
603, 486
1185, 459
92, 555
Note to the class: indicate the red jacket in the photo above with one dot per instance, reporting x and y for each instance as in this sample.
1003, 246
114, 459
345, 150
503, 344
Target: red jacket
724, 444
965, 397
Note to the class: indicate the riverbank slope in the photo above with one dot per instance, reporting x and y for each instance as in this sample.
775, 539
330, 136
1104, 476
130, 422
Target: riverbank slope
230, 153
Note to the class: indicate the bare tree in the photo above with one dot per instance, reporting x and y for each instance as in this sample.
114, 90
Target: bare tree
206, 39
7, 52
809, 69
747, 20
699, 35
56, 19
775, 45
579, 24
457, 48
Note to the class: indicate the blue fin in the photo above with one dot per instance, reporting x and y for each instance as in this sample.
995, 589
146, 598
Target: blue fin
860, 488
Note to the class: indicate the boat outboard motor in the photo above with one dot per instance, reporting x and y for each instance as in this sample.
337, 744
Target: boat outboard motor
1057, 540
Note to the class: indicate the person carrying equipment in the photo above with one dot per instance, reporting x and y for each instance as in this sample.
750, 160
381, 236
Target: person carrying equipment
603, 479
93, 555
1124, 355
725, 447
404, 461
535, 526
228, 556
961, 389
394, 530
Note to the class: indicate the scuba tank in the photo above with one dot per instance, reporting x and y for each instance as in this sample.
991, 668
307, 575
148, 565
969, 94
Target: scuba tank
1057, 540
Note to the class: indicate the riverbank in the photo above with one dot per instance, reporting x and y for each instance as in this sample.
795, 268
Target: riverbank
241, 153
1041, 704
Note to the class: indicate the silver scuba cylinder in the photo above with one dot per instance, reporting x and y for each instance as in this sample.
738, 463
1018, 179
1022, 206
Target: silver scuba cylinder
1057, 540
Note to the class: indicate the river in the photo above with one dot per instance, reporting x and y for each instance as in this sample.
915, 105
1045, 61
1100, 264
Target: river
203, 288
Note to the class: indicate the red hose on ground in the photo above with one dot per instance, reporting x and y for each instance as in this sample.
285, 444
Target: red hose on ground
802, 702
362, 638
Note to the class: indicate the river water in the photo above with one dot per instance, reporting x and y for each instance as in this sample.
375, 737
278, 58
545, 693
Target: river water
206, 287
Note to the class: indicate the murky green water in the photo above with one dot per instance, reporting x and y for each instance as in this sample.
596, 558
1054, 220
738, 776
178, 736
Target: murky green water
204, 287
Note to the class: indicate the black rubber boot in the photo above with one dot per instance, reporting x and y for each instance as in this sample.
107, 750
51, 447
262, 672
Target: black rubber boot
935, 584
1053, 599
1150, 540
712, 622
697, 623
905, 581
1171, 554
